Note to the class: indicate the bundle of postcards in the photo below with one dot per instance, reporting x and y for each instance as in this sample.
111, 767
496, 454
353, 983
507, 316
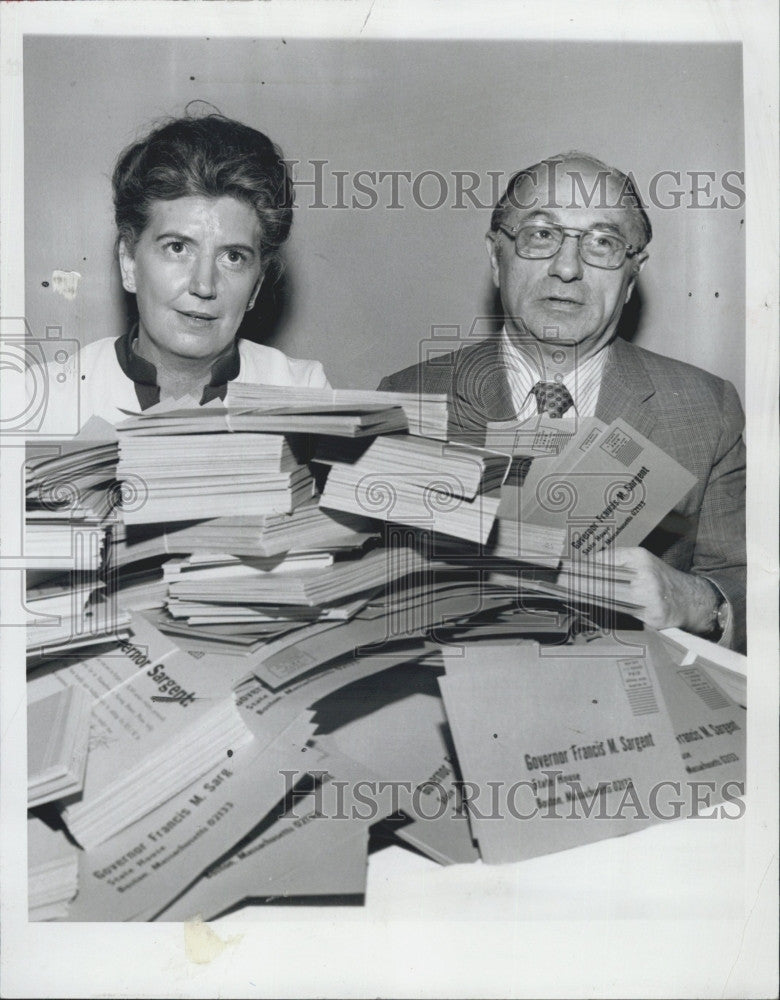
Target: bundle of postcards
71, 500
306, 669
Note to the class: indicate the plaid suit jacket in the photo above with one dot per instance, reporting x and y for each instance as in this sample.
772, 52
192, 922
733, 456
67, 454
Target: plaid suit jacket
693, 415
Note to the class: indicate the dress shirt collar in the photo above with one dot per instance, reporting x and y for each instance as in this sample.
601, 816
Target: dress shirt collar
523, 372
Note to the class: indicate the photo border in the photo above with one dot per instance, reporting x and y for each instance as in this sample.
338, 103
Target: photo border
344, 955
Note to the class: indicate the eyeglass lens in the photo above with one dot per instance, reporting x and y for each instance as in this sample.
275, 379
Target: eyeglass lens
595, 247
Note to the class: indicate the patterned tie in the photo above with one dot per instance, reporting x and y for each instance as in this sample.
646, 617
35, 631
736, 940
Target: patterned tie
552, 398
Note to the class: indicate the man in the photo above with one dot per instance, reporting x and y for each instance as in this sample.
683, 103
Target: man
566, 243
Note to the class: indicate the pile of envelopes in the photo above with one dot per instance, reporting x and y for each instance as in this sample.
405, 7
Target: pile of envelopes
287, 687
71, 497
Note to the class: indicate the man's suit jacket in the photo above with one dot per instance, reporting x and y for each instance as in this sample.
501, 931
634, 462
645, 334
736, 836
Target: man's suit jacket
694, 416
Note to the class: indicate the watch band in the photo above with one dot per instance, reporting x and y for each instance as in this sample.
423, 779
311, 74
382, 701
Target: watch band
720, 616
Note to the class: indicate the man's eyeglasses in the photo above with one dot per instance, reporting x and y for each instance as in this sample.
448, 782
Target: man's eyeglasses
538, 240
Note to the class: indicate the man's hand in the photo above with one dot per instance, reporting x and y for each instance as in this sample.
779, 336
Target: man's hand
667, 597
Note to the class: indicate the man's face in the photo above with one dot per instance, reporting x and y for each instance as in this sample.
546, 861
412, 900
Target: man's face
560, 299
195, 271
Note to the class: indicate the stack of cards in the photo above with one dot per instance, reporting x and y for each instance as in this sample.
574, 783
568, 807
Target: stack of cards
188, 476
53, 871
57, 735
427, 414
159, 718
308, 528
446, 488
246, 583
309, 416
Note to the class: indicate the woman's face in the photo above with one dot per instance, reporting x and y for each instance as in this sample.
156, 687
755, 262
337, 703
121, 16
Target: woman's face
195, 271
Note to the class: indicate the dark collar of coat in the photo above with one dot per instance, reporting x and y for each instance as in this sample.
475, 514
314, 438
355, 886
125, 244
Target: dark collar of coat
480, 391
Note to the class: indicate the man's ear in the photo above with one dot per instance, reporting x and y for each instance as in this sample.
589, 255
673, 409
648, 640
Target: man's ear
637, 264
255, 291
126, 267
493, 252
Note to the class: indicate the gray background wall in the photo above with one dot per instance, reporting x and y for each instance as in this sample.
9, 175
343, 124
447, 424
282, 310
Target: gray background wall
364, 288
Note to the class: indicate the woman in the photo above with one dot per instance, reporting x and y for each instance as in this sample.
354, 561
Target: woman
202, 207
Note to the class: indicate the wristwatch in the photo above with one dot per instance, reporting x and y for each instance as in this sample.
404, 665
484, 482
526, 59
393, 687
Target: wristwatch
720, 616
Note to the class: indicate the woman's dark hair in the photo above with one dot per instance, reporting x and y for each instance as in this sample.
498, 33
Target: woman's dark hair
209, 156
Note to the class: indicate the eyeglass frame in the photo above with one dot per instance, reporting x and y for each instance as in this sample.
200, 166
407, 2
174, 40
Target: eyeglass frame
513, 231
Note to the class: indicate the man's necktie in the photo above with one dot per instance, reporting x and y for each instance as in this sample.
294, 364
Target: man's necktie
552, 398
